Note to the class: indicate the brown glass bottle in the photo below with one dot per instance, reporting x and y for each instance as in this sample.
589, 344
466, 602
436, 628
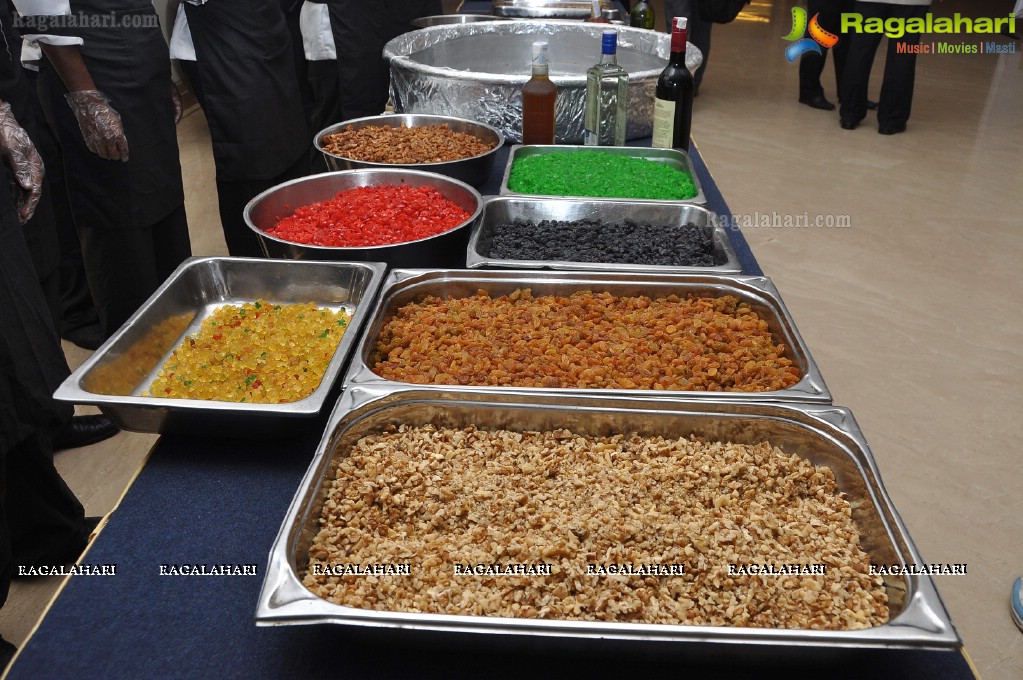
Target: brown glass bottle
538, 97
597, 14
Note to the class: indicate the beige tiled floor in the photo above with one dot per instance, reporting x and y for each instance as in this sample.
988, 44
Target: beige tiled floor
913, 312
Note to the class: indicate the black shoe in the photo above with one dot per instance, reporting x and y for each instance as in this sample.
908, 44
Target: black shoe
817, 102
848, 124
83, 431
7, 652
891, 129
871, 106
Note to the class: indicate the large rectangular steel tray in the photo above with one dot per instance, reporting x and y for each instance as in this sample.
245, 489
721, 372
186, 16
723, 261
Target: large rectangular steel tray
403, 286
502, 209
822, 434
671, 157
117, 374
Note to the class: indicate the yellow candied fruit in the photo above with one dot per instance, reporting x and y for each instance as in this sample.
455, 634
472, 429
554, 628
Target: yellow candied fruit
258, 352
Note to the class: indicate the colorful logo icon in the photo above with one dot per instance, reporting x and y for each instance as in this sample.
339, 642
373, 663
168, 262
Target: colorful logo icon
818, 36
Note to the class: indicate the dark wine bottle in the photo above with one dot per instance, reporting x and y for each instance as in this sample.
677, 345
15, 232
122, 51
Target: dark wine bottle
673, 102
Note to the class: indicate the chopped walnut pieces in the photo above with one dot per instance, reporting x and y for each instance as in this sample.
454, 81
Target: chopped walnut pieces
436, 498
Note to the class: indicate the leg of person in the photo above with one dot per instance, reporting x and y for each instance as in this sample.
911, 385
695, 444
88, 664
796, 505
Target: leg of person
899, 77
235, 195
323, 81
171, 244
858, 60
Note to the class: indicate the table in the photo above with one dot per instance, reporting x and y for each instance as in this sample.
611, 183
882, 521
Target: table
203, 502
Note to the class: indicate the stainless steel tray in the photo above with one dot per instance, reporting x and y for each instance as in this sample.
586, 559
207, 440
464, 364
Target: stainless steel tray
824, 435
117, 374
406, 285
671, 157
502, 209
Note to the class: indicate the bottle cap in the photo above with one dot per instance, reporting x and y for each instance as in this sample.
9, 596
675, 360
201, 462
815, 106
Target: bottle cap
681, 23
540, 53
609, 42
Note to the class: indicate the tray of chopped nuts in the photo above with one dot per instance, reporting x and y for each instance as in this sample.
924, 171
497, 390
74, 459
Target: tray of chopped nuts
696, 523
627, 333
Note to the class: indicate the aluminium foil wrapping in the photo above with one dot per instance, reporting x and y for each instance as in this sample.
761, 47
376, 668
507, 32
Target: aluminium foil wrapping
477, 71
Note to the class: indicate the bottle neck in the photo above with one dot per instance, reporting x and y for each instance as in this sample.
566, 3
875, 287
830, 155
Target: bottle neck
678, 48
611, 58
540, 71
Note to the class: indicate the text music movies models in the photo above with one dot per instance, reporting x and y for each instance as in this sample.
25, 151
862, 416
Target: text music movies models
607, 97
539, 95
673, 97
596, 14
642, 15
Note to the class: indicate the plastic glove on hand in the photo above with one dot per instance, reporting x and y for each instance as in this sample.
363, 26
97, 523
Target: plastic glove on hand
100, 124
24, 161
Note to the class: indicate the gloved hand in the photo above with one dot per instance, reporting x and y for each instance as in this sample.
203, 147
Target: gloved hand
176, 98
100, 124
24, 161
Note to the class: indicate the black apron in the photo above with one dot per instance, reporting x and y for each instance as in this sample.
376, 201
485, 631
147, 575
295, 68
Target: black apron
248, 87
130, 64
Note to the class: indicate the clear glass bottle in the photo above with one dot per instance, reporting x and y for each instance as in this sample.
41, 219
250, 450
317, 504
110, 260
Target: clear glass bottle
539, 95
673, 96
642, 15
607, 97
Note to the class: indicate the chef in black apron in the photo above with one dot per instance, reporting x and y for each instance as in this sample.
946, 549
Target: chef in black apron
41, 521
116, 128
361, 29
245, 79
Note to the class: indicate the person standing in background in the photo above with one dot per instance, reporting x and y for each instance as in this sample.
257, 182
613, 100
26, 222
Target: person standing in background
697, 28
321, 64
106, 90
238, 56
361, 29
811, 64
896, 99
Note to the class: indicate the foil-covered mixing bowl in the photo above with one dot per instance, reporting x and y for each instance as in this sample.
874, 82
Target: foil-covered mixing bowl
477, 71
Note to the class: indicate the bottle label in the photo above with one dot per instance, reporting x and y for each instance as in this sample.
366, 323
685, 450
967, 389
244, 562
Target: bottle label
664, 123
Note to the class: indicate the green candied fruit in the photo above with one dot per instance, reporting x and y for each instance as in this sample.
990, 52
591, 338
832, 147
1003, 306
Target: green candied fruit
600, 175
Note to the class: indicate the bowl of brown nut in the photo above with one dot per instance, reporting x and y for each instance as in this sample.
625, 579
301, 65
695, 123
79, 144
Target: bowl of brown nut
456, 147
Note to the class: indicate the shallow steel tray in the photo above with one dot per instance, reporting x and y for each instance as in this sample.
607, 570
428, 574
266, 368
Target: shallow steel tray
671, 157
822, 434
503, 209
117, 374
552, 9
407, 285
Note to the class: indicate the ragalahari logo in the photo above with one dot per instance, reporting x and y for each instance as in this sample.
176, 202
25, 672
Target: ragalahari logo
818, 36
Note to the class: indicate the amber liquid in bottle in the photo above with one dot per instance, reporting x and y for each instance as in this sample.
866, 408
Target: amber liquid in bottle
538, 97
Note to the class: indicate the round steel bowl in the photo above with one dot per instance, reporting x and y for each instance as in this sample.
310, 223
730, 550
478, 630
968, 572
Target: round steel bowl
443, 250
474, 170
443, 19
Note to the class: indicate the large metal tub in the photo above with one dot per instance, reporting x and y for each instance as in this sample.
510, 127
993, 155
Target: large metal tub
403, 286
117, 374
503, 209
477, 71
442, 250
823, 435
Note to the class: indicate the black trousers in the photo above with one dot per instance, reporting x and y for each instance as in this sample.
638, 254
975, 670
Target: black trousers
361, 29
41, 521
811, 64
899, 69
